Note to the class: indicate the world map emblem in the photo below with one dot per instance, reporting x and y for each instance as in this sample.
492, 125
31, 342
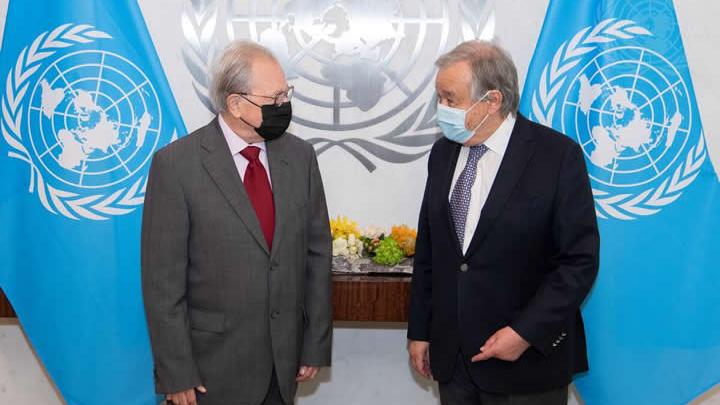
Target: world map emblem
630, 109
85, 120
362, 70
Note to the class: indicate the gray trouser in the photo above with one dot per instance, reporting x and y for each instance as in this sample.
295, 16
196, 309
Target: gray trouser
273, 396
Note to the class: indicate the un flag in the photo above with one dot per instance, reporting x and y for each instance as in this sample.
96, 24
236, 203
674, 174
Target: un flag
85, 104
613, 76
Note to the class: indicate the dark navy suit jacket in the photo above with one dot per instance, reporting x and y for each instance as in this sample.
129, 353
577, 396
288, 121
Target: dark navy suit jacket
530, 264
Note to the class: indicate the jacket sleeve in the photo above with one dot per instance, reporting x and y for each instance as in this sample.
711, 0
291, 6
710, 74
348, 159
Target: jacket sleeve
421, 286
164, 258
576, 243
317, 340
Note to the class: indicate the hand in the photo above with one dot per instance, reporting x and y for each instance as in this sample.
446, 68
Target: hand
306, 373
505, 344
419, 357
186, 397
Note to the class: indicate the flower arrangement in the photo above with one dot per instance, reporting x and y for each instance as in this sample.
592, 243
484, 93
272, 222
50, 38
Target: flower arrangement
373, 242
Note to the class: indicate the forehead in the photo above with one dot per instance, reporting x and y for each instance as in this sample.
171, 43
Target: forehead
454, 77
267, 76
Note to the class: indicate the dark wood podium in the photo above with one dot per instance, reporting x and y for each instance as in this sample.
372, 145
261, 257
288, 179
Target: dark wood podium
6, 310
371, 298
367, 298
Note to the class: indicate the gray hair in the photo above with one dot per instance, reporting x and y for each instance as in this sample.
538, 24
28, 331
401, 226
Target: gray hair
232, 71
492, 69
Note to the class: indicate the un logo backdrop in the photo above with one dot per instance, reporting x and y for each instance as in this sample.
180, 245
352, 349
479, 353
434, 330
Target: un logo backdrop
363, 71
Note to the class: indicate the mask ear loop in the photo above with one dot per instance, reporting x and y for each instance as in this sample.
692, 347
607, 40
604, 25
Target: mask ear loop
253, 103
486, 115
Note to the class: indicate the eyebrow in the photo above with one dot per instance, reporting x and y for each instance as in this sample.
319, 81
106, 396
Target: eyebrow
445, 93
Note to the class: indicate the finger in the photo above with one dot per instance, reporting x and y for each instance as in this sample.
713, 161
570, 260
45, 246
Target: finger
202, 389
179, 399
492, 340
190, 396
420, 366
302, 374
304, 378
483, 355
313, 373
426, 366
417, 364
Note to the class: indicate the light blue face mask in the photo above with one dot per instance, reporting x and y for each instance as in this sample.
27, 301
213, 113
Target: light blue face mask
452, 122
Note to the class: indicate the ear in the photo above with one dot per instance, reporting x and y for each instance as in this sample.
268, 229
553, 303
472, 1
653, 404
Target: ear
494, 100
234, 105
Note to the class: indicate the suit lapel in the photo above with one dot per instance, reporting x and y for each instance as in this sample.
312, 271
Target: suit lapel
447, 172
280, 173
518, 153
221, 167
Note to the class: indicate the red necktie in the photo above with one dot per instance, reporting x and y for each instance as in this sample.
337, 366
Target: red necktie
258, 189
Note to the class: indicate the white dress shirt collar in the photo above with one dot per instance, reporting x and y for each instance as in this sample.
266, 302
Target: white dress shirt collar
235, 142
499, 140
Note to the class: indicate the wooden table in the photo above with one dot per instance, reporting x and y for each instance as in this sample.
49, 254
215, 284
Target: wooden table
371, 298
6, 310
355, 298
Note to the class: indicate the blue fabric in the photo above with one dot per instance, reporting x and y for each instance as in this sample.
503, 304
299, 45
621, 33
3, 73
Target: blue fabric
84, 106
613, 76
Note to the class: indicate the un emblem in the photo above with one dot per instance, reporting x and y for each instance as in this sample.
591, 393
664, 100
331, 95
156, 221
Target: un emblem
630, 110
86, 121
363, 71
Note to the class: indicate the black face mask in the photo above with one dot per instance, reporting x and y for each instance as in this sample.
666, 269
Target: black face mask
275, 120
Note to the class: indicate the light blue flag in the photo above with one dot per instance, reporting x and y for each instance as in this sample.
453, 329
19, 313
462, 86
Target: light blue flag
85, 103
613, 76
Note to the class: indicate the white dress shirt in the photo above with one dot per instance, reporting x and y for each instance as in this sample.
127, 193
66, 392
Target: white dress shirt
487, 169
237, 144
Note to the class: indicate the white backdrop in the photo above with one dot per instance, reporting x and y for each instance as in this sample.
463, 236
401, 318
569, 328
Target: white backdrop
370, 363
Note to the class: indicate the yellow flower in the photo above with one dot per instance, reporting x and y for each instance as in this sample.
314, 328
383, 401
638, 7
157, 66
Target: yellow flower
341, 227
405, 237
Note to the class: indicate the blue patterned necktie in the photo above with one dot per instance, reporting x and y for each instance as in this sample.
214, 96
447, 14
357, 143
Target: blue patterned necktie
460, 197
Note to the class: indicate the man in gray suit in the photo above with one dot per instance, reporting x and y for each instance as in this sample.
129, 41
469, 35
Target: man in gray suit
236, 247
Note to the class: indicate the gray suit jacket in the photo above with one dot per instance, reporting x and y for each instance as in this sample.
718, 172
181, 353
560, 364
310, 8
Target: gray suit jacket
222, 309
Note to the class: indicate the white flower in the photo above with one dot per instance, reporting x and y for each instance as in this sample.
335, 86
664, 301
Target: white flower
360, 247
340, 247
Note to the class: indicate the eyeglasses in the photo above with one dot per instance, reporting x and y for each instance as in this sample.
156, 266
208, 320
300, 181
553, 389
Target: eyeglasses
278, 99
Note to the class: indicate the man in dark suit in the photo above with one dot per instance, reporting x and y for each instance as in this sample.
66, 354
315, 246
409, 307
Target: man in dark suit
507, 245
236, 248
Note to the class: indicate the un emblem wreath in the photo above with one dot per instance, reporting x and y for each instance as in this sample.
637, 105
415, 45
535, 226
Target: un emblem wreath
92, 205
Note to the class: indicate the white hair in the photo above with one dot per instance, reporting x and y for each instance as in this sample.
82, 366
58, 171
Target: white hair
492, 69
232, 72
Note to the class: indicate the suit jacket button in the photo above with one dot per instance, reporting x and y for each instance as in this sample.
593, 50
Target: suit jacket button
464, 267
274, 314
